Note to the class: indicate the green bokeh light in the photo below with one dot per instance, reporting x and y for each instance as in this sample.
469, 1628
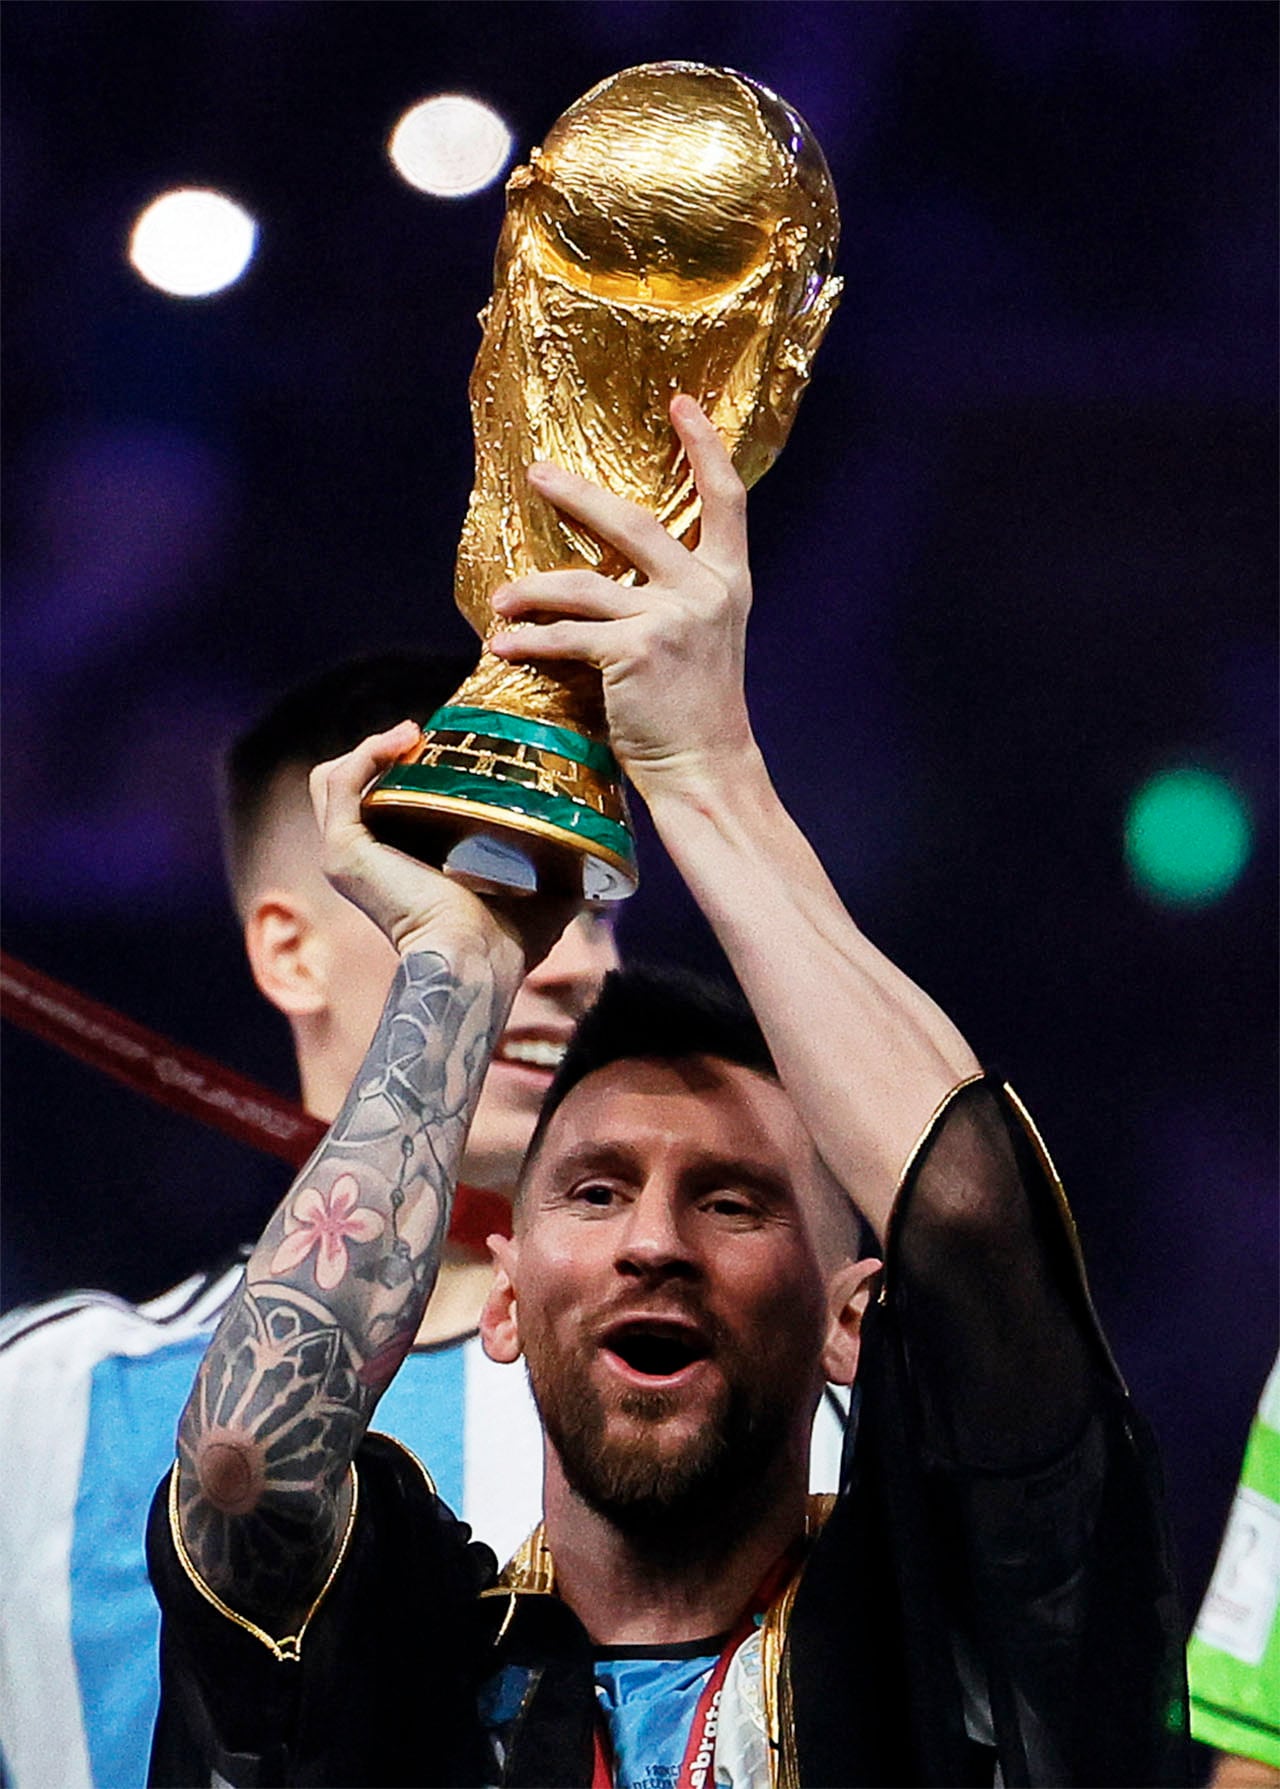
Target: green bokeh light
1187, 837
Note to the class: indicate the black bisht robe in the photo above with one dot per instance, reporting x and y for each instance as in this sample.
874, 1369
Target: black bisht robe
999, 1538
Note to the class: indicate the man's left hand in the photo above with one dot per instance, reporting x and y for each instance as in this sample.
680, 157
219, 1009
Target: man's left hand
670, 649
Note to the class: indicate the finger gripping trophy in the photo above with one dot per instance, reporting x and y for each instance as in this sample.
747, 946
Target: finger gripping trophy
675, 233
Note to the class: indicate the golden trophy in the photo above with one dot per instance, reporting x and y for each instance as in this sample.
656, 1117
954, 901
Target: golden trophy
675, 233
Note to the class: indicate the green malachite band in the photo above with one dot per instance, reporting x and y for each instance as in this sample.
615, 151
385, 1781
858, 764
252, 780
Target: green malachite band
515, 727
555, 810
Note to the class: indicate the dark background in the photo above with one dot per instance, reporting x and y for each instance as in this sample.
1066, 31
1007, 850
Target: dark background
1018, 557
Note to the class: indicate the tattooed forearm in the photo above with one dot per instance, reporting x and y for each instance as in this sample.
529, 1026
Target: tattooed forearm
333, 1297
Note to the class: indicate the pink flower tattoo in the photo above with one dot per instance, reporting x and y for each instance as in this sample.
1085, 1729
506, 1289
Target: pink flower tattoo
326, 1222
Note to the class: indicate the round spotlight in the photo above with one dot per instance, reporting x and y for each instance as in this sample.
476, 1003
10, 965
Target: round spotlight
450, 146
192, 242
1187, 837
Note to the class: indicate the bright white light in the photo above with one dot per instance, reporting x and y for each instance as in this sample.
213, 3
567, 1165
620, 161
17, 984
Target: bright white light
450, 146
192, 242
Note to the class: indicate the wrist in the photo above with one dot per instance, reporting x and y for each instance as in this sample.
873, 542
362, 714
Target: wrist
726, 782
471, 948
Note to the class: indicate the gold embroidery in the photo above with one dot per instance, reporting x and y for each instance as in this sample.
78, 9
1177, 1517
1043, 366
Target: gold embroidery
912, 1158
395, 1441
288, 1649
775, 1671
530, 1569
1068, 1221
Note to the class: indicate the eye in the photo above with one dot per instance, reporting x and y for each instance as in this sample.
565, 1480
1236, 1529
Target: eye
598, 1195
738, 1207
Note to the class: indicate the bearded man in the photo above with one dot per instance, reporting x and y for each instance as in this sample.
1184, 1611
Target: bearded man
990, 1597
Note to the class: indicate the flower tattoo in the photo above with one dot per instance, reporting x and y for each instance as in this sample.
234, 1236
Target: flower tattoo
326, 1222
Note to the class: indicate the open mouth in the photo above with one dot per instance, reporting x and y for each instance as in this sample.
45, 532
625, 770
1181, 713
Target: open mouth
653, 1349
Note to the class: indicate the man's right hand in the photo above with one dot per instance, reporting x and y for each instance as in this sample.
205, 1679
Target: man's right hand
417, 907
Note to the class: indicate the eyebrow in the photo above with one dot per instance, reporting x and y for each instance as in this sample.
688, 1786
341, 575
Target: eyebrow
706, 1170
616, 1158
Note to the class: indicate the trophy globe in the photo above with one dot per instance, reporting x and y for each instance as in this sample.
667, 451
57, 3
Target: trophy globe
676, 232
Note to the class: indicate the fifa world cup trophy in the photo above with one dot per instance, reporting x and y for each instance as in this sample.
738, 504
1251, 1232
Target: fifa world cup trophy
675, 233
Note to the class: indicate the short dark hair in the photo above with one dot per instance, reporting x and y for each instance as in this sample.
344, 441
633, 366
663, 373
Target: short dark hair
660, 1013
320, 718
668, 1014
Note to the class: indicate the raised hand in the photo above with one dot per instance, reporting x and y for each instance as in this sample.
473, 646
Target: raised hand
415, 906
671, 648
333, 1295
863, 1052
334, 1292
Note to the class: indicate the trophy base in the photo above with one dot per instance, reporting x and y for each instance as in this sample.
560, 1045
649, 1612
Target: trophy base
509, 807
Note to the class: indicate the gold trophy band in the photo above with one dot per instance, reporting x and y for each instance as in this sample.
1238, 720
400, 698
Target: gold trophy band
675, 233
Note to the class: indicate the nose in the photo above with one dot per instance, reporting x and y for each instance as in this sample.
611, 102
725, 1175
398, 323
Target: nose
651, 1241
572, 971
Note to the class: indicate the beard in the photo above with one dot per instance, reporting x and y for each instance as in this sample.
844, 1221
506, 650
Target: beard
619, 1457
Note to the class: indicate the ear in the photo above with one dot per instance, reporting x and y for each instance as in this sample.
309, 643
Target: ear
499, 1322
287, 954
848, 1295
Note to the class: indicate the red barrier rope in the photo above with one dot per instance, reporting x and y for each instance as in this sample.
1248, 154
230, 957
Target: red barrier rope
185, 1081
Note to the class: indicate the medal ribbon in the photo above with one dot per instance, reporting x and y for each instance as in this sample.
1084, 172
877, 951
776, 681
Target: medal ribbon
699, 1751
185, 1081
